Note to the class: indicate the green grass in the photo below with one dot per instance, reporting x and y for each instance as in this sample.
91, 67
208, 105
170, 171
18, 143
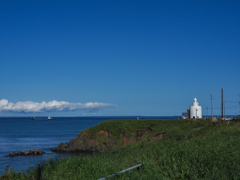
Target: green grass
189, 150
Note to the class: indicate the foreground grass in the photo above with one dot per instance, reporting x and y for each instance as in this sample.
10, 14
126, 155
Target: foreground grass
190, 150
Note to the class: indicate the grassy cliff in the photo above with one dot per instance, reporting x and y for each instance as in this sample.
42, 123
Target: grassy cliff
174, 149
111, 135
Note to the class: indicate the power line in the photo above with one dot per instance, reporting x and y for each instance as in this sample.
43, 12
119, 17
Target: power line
231, 101
225, 107
233, 106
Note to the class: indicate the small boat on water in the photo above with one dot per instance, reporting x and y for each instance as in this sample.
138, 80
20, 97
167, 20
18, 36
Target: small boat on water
40, 118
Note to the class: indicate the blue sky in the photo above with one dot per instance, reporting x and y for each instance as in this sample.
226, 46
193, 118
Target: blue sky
131, 57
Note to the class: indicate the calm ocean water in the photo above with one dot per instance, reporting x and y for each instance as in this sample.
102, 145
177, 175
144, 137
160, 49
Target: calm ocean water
23, 134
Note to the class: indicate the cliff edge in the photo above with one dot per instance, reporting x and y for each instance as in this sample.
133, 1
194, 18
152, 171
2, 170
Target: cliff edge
113, 134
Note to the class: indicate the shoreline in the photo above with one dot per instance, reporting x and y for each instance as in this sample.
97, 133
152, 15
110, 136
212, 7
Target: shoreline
167, 157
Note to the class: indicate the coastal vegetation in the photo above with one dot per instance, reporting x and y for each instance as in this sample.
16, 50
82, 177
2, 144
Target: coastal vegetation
169, 149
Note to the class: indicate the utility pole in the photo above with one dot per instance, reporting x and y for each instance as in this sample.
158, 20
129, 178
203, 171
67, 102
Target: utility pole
207, 112
222, 103
211, 106
224, 110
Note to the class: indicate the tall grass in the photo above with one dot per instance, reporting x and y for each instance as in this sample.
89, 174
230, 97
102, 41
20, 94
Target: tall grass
190, 150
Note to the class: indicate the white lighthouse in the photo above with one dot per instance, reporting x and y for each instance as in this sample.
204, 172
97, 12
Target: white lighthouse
195, 110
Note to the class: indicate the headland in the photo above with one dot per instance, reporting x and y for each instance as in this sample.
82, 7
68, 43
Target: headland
169, 149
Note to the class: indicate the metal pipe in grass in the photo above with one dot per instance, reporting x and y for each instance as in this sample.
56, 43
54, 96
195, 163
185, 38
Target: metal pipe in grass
123, 171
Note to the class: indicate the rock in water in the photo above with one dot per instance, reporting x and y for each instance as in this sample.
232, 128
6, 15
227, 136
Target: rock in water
27, 153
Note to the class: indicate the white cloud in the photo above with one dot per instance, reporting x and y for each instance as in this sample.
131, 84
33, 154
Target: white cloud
30, 107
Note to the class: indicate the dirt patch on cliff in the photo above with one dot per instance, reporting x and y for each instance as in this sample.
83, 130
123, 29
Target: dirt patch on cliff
158, 136
105, 133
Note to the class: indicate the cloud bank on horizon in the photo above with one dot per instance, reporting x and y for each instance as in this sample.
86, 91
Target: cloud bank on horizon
35, 107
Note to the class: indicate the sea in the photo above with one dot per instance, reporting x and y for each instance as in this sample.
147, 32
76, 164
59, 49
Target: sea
23, 134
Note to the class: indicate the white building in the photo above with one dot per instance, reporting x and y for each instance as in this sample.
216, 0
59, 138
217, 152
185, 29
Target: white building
195, 110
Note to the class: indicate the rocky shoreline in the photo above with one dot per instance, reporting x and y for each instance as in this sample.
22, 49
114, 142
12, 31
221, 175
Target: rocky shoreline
27, 153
